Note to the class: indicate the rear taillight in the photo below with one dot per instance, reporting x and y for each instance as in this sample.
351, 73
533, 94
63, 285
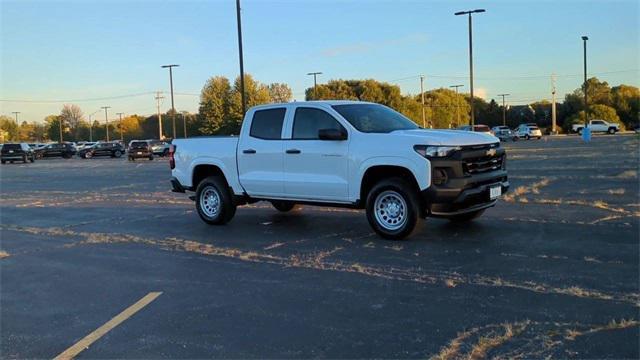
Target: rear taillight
172, 160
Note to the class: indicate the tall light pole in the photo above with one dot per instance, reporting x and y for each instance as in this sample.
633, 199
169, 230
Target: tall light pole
184, 122
158, 98
121, 135
457, 104
315, 83
106, 120
504, 110
91, 126
586, 84
424, 121
472, 120
173, 109
242, 94
16, 114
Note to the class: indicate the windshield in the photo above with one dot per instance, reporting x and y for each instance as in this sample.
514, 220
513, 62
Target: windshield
374, 118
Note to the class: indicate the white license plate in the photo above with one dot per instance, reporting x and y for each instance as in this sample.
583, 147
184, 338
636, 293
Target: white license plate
495, 192
139, 153
11, 151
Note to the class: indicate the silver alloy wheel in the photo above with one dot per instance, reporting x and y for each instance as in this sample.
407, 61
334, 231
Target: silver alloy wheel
390, 210
210, 201
88, 155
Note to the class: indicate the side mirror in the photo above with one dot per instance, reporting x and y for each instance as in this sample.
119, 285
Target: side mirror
331, 134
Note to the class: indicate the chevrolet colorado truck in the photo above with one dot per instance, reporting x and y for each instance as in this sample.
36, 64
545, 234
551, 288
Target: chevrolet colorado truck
597, 126
346, 154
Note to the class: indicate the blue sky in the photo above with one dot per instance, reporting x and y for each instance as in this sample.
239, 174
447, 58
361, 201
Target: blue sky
79, 50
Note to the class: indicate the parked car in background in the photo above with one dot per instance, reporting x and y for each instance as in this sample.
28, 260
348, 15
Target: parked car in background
597, 126
102, 149
528, 131
477, 128
139, 149
160, 147
504, 133
17, 152
63, 150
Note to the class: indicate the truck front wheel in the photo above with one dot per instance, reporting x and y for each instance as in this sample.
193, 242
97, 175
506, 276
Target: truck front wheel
393, 208
611, 130
214, 202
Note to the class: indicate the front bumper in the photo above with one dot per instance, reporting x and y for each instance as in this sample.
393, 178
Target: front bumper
461, 183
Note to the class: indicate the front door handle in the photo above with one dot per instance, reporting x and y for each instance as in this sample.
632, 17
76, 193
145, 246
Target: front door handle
293, 151
248, 151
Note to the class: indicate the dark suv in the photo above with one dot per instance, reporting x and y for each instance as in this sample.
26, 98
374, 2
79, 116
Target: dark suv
64, 150
16, 152
140, 149
102, 149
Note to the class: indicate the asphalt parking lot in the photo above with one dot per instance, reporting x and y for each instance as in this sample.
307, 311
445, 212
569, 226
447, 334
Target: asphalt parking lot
552, 270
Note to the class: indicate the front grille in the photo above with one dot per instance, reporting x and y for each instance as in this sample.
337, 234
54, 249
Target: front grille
482, 164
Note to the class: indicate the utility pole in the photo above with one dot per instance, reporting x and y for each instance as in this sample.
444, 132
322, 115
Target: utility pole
121, 135
16, 114
242, 94
106, 120
504, 110
173, 109
457, 104
586, 84
424, 122
60, 127
553, 104
184, 122
315, 83
472, 120
158, 98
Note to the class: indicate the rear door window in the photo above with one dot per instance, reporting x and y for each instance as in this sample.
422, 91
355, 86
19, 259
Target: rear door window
267, 124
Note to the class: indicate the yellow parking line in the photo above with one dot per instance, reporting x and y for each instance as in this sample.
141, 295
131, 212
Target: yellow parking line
83, 344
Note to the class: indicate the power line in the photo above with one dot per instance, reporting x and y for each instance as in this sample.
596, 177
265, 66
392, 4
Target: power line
79, 100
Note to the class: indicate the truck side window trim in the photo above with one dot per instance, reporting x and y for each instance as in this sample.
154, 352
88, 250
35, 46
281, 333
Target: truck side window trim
293, 127
254, 129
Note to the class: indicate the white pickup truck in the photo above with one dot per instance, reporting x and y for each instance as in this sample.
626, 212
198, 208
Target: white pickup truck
345, 154
597, 126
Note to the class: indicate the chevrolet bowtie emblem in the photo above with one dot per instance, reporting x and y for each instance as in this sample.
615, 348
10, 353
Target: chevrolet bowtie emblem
491, 152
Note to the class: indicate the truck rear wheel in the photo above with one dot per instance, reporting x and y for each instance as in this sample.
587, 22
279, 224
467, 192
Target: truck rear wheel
393, 208
283, 206
214, 202
611, 130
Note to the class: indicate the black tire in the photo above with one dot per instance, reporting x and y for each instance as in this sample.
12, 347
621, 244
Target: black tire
131, 158
283, 205
11, 161
4, 161
150, 157
24, 159
117, 153
611, 131
580, 131
539, 137
32, 158
210, 212
527, 137
393, 189
462, 218
66, 156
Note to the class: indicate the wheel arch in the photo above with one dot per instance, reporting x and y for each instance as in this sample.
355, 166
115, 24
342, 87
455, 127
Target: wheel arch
376, 172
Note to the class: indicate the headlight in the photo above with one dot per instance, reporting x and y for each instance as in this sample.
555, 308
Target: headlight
435, 151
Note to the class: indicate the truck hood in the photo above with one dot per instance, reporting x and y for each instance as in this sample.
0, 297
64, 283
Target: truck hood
447, 137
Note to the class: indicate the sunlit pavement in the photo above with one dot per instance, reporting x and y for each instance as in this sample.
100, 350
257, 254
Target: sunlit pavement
552, 270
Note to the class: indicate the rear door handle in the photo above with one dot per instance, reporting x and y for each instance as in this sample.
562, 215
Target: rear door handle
248, 151
293, 151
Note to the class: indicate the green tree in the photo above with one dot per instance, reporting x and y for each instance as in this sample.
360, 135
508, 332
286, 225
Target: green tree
626, 100
215, 100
